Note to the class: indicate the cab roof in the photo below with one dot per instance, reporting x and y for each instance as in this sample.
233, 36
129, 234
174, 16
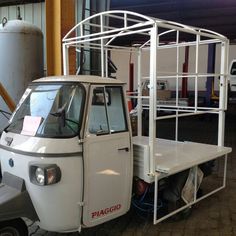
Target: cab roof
91, 79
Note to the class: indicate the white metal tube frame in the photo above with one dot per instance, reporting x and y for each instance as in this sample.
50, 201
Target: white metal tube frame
157, 175
154, 30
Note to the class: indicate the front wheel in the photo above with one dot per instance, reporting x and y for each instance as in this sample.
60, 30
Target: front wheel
16, 227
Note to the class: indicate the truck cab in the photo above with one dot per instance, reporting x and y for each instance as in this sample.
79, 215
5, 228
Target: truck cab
68, 144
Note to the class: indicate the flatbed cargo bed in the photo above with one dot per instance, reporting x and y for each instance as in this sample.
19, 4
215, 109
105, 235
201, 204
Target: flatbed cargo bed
172, 156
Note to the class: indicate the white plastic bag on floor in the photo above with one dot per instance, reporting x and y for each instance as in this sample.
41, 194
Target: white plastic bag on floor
188, 189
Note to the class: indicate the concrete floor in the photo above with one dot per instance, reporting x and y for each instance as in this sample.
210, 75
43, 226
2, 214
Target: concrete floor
214, 216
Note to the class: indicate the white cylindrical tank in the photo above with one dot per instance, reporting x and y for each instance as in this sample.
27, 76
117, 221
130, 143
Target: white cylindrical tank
21, 58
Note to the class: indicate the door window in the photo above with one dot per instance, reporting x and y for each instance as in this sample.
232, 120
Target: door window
115, 110
98, 123
107, 114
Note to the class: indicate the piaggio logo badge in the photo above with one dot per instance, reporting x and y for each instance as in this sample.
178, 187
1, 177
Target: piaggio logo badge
106, 211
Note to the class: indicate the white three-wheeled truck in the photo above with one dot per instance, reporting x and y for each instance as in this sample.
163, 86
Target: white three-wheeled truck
50, 166
68, 156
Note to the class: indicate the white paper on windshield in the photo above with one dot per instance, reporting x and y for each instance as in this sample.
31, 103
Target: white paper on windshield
31, 125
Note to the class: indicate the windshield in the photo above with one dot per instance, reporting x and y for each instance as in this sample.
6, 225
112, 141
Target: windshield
49, 110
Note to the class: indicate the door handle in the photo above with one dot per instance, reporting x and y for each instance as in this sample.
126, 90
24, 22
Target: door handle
124, 148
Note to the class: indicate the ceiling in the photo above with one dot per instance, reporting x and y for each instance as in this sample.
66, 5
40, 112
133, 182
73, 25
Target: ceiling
216, 15
14, 2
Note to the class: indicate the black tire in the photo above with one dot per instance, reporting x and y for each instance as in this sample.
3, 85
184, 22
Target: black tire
16, 227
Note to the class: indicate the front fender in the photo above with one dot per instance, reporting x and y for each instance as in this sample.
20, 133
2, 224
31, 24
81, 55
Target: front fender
15, 201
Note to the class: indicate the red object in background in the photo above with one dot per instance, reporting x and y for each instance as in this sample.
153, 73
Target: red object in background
185, 70
140, 187
131, 84
131, 77
130, 107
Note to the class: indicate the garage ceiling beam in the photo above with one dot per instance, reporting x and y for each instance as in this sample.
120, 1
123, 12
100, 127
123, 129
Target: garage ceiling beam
14, 2
60, 18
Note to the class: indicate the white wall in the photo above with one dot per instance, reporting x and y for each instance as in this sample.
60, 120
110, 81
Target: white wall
167, 63
35, 13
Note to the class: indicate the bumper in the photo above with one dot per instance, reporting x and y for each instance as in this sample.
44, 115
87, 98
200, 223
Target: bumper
15, 201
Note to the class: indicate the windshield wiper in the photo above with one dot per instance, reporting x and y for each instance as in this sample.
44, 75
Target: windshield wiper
61, 114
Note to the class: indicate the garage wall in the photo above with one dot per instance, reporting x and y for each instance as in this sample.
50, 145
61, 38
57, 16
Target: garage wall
167, 63
34, 13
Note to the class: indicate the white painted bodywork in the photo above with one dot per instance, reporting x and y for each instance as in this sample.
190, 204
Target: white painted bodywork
90, 79
108, 161
172, 157
108, 177
92, 178
58, 205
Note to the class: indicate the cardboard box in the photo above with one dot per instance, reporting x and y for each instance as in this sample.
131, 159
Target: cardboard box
161, 94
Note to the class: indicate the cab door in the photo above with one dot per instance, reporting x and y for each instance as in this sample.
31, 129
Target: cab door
107, 157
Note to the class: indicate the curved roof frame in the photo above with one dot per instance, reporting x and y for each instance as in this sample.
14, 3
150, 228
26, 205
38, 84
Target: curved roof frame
125, 16
129, 23
139, 20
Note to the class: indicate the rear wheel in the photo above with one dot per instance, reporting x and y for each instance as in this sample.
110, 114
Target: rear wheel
16, 227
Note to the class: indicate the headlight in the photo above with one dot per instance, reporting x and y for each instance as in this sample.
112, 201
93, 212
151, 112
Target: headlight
40, 176
45, 174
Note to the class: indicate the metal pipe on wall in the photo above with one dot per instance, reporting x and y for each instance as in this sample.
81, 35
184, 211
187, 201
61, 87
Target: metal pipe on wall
60, 18
185, 70
210, 69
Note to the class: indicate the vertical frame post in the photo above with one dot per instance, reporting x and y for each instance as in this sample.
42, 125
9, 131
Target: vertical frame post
195, 168
102, 47
227, 74
177, 88
225, 170
155, 199
223, 94
106, 64
140, 92
65, 59
152, 94
196, 72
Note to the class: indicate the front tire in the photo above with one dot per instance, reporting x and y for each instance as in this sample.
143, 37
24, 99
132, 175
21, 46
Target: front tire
16, 227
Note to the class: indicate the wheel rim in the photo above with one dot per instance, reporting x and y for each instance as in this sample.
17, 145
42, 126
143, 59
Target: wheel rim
9, 231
